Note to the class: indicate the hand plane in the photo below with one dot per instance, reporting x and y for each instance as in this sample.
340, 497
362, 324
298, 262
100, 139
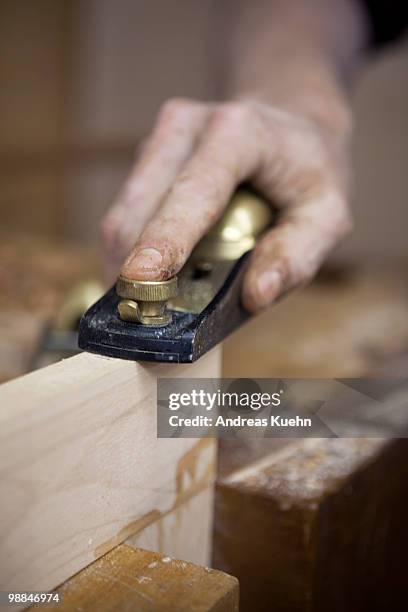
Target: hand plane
180, 319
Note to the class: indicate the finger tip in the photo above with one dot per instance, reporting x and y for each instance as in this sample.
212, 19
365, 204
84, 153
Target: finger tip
144, 264
140, 274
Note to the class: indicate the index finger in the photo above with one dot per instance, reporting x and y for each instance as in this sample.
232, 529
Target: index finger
227, 155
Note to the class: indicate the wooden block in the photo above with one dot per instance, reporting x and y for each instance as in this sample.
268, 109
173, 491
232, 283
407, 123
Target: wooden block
319, 525
142, 581
81, 469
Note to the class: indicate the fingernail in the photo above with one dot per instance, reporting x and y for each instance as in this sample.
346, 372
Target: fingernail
145, 259
268, 285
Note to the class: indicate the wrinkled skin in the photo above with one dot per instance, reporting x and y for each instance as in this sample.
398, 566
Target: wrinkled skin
186, 173
289, 138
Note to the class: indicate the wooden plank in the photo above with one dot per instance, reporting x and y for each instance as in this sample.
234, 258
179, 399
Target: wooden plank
81, 468
318, 525
142, 581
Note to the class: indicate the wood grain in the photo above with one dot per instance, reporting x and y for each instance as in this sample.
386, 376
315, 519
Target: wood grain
81, 469
318, 525
182, 533
142, 581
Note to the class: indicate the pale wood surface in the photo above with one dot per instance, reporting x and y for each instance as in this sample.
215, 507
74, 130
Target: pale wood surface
182, 533
143, 581
81, 469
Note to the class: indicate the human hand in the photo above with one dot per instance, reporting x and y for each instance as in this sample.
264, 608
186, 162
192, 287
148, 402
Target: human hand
190, 166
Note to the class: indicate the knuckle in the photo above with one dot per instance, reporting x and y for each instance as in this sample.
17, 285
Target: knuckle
188, 185
234, 114
307, 148
174, 108
313, 152
184, 185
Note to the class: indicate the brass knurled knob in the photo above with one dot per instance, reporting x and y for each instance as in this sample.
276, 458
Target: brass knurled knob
146, 291
145, 301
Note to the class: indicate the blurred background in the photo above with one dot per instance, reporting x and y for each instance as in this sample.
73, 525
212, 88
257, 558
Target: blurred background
81, 83
82, 80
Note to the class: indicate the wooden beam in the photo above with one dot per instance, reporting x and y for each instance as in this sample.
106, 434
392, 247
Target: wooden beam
127, 579
318, 525
81, 469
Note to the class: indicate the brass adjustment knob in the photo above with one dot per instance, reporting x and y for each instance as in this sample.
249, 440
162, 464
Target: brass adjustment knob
145, 301
246, 217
